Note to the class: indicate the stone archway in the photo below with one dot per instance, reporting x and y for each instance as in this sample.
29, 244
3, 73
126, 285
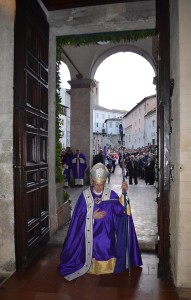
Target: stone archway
87, 58
137, 49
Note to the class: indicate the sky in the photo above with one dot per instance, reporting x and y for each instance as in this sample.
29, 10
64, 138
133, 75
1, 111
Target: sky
124, 79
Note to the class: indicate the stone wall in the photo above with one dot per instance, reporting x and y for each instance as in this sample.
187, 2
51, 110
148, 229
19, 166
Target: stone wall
180, 205
7, 244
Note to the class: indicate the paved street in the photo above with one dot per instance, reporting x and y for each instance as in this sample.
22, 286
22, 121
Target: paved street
143, 206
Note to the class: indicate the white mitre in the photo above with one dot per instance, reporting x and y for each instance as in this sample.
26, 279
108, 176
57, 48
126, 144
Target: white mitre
99, 173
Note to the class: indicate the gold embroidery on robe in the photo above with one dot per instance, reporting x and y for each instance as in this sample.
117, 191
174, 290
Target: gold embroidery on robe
121, 200
102, 267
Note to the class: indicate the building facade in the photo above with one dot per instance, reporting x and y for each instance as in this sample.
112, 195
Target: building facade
150, 128
140, 124
112, 116
106, 127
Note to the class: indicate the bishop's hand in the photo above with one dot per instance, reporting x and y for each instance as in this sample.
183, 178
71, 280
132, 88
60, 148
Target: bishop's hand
99, 214
124, 186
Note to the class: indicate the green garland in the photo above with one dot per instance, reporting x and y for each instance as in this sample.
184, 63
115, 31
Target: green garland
115, 37
59, 172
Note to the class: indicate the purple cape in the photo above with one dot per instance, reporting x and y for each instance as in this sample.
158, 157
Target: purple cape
103, 237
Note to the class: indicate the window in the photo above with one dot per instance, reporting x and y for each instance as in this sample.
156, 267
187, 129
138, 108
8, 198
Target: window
153, 123
97, 125
117, 124
103, 116
97, 115
110, 124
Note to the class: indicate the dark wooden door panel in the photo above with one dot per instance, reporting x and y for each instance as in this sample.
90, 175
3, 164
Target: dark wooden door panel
164, 135
31, 131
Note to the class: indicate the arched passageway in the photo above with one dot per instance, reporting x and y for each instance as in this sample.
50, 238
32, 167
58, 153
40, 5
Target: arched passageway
85, 89
146, 223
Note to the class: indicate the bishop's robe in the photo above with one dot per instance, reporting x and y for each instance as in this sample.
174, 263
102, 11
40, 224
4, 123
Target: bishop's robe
99, 246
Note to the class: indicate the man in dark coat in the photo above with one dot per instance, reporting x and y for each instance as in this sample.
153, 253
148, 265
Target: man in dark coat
132, 167
99, 158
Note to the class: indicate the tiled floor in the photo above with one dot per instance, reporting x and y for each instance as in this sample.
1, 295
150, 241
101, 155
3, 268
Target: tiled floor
41, 281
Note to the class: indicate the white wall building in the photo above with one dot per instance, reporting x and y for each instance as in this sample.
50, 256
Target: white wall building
139, 123
101, 114
106, 127
150, 128
112, 125
65, 117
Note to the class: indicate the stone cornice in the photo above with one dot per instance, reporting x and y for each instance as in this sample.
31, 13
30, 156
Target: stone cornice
82, 83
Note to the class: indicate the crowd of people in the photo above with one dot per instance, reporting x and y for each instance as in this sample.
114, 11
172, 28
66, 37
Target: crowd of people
140, 166
139, 163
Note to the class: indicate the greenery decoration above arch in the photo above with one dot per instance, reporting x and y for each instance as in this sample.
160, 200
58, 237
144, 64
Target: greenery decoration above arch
94, 38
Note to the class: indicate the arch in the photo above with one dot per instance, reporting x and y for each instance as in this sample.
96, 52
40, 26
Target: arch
65, 68
121, 48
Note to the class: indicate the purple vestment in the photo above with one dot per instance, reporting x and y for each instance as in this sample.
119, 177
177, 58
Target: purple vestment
88, 238
78, 166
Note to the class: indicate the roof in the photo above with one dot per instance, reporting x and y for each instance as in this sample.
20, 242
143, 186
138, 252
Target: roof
113, 119
150, 112
96, 106
144, 99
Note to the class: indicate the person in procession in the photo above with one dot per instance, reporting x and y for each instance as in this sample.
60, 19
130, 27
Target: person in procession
99, 158
95, 242
66, 157
132, 167
78, 167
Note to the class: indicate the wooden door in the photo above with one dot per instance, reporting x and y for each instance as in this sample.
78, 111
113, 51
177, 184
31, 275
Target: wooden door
164, 130
30, 131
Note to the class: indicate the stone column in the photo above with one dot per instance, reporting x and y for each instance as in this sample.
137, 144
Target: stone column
53, 225
82, 96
